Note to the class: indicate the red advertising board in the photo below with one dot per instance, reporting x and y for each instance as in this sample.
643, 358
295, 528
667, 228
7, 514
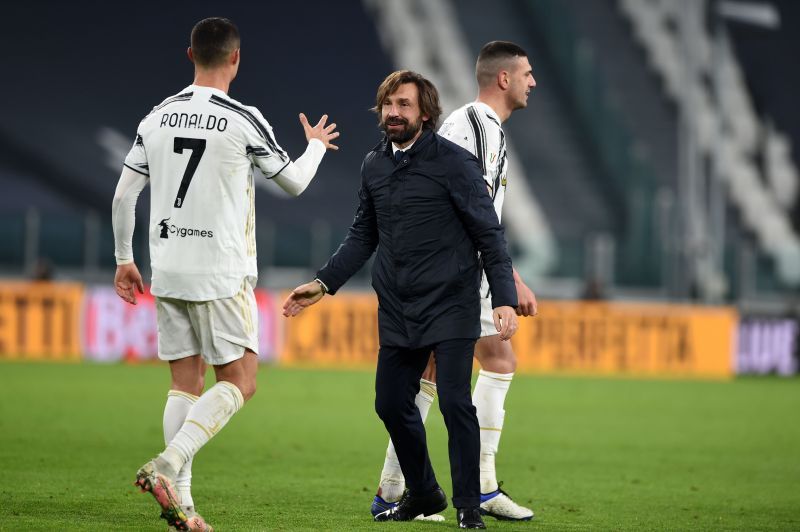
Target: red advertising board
114, 330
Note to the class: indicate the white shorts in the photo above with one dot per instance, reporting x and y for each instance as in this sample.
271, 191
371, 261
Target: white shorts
220, 330
487, 317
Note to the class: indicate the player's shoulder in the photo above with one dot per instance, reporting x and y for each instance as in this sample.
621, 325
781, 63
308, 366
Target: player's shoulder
245, 114
452, 151
473, 119
247, 119
484, 115
182, 96
456, 119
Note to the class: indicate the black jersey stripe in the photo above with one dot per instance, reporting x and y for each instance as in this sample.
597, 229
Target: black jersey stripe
179, 98
493, 119
500, 163
258, 151
480, 139
136, 170
279, 171
254, 121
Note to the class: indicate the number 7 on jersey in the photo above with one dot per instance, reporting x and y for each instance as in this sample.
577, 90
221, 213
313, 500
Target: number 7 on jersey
198, 146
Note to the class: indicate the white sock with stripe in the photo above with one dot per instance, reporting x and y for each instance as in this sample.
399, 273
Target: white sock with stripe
175, 411
392, 481
206, 417
488, 397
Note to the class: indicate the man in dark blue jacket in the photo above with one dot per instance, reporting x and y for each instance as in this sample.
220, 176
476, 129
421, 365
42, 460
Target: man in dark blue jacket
423, 204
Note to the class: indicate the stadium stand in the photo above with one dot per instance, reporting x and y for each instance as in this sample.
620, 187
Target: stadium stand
708, 86
602, 135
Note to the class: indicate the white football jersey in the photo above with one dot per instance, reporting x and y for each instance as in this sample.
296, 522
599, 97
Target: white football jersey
198, 148
476, 128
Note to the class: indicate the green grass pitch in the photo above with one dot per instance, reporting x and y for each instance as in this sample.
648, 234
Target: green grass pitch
306, 452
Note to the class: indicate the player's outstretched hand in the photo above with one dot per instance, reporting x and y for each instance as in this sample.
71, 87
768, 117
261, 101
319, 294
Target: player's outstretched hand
527, 300
301, 297
505, 321
127, 280
321, 132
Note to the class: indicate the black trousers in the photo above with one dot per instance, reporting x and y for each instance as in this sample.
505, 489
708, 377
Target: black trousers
396, 386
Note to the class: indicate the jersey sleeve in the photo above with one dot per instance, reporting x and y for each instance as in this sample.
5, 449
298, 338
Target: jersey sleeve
136, 159
456, 129
261, 146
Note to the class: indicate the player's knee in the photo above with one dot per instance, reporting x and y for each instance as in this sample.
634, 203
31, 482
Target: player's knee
501, 361
508, 365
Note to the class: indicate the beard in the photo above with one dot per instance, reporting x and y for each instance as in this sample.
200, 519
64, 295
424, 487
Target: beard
403, 135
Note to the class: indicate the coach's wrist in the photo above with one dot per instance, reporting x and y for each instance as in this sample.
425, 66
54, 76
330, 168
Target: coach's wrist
322, 285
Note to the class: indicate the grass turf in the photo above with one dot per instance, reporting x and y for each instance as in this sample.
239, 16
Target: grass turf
306, 453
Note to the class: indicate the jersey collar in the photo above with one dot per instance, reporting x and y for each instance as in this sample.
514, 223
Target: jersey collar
212, 90
485, 107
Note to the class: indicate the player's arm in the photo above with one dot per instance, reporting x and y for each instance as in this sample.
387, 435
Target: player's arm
294, 176
123, 220
525, 297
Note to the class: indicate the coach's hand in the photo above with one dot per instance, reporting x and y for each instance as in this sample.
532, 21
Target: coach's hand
320, 131
505, 321
126, 280
301, 297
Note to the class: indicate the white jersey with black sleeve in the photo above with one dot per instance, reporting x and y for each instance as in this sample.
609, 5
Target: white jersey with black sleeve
198, 149
476, 128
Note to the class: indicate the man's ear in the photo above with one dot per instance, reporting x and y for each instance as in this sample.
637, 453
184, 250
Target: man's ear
236, 55
189, 54
503, 79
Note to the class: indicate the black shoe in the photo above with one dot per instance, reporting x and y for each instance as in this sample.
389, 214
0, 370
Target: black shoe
470, 518
410, 506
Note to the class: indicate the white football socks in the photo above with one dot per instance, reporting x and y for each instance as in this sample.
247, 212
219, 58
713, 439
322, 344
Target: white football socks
392, 483
178, 405
205, 418
488, 397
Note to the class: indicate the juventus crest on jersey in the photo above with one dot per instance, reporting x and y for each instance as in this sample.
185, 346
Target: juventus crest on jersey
198, 148
476, 128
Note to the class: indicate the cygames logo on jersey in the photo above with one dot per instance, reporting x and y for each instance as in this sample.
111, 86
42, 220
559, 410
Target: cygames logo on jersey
172, 229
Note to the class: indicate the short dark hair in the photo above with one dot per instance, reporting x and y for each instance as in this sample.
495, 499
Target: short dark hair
428, 95
493, 57
213, 39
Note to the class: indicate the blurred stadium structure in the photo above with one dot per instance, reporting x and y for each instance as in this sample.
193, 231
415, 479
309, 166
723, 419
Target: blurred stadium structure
657, 159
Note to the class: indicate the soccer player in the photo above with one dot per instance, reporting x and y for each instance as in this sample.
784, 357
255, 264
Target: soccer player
197, 150
505, 79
